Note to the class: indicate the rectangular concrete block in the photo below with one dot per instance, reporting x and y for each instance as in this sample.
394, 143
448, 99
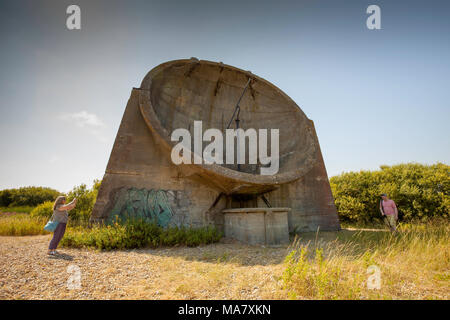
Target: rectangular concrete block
257, 225
277, 229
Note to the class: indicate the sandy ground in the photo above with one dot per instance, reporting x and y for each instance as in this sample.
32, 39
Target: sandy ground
226, 270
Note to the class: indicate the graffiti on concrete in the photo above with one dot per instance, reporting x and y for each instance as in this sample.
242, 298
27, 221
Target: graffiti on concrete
151, 205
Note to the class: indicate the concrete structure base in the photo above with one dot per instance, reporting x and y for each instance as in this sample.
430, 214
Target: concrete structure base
257, 225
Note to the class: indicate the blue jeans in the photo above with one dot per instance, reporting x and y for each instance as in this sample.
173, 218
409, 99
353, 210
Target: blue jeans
57, 235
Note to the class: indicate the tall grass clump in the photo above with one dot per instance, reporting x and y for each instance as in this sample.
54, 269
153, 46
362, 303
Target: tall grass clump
413, 263
21, 225
137, 233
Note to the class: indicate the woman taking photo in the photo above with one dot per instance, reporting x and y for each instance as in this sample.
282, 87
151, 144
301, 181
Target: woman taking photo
60, 214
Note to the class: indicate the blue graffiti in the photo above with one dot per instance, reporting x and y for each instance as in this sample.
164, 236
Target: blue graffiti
150, 205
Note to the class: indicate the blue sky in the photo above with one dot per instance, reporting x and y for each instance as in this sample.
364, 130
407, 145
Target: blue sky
376, 96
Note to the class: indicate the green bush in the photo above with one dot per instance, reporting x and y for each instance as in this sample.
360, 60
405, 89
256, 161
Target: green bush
85, 201
6, 197
420, 192
44, 210
27, 196
137, 234
42, 200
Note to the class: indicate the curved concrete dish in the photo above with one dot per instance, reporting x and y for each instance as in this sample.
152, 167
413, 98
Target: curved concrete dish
141, 180
176, 93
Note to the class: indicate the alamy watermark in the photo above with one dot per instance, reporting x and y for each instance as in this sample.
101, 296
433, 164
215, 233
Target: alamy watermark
213, 153
74, 280
373, 22
374, 279
73, 21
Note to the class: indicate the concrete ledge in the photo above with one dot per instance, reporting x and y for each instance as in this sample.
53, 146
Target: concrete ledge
257, 225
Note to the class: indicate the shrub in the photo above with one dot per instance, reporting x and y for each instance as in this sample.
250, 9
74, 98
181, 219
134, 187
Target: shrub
5, 197
44, 198
420, 191
85, 201
27, 196
44, 210
137, 234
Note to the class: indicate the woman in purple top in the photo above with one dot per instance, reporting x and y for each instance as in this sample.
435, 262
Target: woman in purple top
389, 209
60, 214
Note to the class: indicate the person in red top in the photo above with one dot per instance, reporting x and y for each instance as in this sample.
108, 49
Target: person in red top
389, 209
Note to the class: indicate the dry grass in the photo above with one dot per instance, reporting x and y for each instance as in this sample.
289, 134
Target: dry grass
414, 265
21, 225
16, 209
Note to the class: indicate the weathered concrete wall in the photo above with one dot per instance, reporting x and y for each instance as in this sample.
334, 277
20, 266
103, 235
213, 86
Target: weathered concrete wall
140, 178
257, 225
309, 197
137, 162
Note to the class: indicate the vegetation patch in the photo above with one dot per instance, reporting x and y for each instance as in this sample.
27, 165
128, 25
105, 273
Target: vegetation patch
420, 192
21, 225
27, 196
412, 264
44, 210
137, 233
16, 209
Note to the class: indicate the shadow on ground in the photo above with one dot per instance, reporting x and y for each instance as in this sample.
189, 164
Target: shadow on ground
61, 256
229, 251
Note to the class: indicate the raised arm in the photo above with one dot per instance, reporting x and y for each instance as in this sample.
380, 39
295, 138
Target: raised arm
68, 206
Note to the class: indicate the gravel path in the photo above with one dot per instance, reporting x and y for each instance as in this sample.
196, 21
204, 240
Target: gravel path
220, 271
